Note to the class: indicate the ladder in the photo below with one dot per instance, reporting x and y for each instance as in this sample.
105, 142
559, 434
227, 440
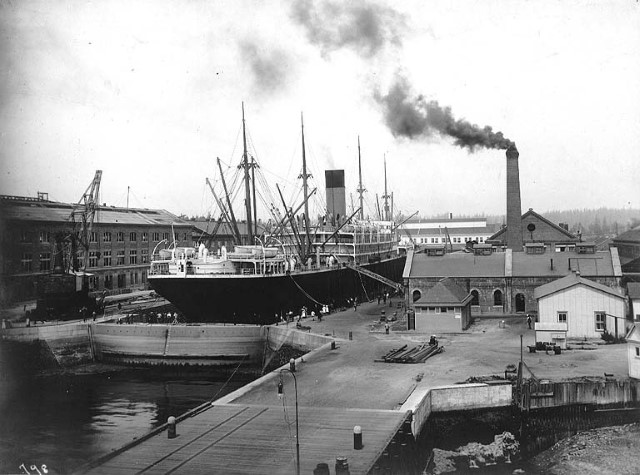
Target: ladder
375, 276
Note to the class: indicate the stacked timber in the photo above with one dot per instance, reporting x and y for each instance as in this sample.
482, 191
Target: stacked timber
417, 354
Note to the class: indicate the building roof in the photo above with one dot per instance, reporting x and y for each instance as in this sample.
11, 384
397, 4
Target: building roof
550, 232
634, 333
633, 235
463, 264
445, 292
633, 290
631, 267
569, 281
24, 209
452, 231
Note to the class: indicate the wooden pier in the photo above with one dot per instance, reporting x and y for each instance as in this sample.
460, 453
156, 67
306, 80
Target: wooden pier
252, 439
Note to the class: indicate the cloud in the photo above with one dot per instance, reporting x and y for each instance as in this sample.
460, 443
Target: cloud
270, 66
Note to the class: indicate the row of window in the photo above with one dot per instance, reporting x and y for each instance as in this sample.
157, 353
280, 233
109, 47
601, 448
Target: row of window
44, 259
107, 236
600, 318
443, 240
120, 280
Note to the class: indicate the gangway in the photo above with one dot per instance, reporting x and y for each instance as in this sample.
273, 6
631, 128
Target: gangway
375, 276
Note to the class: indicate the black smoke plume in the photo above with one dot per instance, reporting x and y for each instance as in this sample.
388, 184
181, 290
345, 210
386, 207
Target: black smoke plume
415, 117
364, 27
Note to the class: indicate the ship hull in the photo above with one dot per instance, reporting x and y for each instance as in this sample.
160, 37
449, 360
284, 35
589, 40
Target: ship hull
263, 299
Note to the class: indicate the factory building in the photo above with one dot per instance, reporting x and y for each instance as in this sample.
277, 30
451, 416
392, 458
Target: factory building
121, 244
427, 232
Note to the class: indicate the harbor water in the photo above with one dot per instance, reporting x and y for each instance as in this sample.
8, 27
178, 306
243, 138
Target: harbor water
62, 421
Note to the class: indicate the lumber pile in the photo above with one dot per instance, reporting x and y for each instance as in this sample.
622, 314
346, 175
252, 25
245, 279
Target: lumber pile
417, 354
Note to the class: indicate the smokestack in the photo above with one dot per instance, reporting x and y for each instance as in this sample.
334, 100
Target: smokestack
514, 209
336, 201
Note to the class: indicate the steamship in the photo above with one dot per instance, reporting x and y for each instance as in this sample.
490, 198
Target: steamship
299, 264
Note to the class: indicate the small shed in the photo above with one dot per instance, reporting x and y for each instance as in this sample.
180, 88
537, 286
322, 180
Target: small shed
587, 308
633, 291
633, 351
445, 308
552, 332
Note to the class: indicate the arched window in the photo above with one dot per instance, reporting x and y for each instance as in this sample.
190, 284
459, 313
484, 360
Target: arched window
497, 298
475, 297
416, 295
520, 303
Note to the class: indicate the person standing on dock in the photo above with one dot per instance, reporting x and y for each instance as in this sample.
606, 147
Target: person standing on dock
529, 321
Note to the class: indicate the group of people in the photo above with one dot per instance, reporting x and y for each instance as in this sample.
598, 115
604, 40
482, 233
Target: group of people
151, 317
383, 297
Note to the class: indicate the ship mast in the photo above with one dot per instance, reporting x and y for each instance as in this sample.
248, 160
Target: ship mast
247, 180
386, 195
360, 189
305, 190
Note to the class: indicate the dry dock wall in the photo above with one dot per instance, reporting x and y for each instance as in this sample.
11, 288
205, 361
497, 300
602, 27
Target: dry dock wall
459, 397
277, 336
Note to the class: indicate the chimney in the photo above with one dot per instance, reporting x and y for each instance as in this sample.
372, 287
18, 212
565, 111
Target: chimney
336, 202
514, 209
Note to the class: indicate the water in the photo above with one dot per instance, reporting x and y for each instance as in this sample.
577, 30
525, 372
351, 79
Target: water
63, 421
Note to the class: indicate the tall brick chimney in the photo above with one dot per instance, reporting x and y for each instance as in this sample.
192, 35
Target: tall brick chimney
514, 208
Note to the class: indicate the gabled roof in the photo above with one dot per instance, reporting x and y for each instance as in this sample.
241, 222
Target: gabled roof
569, 281
633, 235
634, 333
445, 292
533, 214
633, 290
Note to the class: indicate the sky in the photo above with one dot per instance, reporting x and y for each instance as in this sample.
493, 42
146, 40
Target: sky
151, 93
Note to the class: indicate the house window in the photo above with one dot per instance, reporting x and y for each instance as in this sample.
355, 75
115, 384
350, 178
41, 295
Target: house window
144, 258
562, 317
145, 237
120, 236
497, 298
133, 256
106, 259
93, 259
44, 236
120, 260
25, 262
106, 236
93, 237
45, 261
133, 237
601, 321
108, 281
155, 237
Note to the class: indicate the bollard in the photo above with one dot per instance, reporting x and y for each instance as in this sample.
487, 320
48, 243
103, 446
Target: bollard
357, 437
333, 345
171, 431
342, 465
350, 335
292, 365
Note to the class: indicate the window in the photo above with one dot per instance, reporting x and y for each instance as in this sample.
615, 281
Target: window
106, 236
143, 277
44, 236
144, 258
133, 278
601, 321
432, 309
184, 237
443, 309
45, 261
120, 260
481, 239
120, 236
497, 298
25, 262
108, 281
122, 280
80, 256
93, 259
93, 237
155, 237
133, 236
165, 236
475, 298
145, 237
637, 350
562, 317
133, 256
106, 259
416, 295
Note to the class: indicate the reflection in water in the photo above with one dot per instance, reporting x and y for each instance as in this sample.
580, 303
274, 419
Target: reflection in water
67, 420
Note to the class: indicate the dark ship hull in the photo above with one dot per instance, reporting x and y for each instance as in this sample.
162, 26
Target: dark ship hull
263, 299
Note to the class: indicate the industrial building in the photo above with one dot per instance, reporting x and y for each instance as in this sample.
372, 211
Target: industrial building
121, 244
453, 232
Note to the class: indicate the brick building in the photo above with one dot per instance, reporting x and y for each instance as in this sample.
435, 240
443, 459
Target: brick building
121, 244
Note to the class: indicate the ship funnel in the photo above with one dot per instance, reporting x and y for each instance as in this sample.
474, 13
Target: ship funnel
336, 201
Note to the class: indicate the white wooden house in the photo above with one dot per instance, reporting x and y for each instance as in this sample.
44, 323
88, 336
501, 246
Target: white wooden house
633, 351
586, 307
633, 291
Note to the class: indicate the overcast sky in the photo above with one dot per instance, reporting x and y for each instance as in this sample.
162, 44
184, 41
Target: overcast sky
150, 92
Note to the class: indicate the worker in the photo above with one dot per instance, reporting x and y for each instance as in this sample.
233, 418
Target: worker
386, 328
433, 341
529, 321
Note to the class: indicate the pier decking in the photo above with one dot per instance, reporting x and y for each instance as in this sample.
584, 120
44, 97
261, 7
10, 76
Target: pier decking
247, 439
